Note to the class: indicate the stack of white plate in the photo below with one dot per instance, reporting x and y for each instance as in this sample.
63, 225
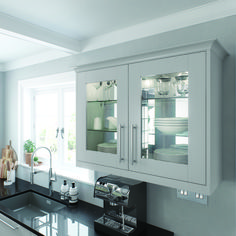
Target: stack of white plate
172, 126
107, 147
176, 155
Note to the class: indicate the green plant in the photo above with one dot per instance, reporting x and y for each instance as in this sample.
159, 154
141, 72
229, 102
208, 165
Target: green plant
29, 146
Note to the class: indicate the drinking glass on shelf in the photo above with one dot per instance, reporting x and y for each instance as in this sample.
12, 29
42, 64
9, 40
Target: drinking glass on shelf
182, 84
109, 89
163, 86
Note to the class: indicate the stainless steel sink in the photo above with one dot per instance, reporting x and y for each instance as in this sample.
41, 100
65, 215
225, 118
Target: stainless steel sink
31, 204
37, 211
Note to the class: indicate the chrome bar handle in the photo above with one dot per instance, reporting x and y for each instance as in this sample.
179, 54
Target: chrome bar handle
7, 224
120, 128
133, 127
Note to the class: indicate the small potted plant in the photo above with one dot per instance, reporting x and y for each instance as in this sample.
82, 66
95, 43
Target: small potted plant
29, 148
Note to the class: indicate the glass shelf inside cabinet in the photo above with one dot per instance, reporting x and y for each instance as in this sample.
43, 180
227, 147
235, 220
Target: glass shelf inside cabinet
101, 116
165, 117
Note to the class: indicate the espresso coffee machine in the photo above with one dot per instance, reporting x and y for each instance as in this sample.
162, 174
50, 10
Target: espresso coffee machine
124, 206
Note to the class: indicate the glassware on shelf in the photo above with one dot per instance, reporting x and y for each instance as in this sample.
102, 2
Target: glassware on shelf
182, 84
101, 117
163, 86
110, 87
102, 91
165, 117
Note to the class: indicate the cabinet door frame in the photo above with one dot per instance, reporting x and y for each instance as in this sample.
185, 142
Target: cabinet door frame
119, 73
195, 170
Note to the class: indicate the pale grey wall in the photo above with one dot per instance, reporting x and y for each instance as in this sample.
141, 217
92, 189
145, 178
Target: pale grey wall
164, 210
218, 218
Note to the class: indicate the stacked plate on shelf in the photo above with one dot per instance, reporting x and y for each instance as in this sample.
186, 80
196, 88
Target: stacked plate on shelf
176, 154
107, 147
172, 125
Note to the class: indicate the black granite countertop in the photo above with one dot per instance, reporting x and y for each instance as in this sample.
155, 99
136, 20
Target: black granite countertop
77, 220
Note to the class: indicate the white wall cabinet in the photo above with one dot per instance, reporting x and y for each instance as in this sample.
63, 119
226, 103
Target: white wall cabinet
102, 115
169, 137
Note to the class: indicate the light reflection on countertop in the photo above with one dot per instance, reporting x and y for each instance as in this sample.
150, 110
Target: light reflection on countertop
55, 224
64, 222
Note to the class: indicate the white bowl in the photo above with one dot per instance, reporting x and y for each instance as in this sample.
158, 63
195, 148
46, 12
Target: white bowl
172, 120
107, 147
171, 155
172, 129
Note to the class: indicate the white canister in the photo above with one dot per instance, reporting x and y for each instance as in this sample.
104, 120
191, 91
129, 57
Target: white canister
13, 176
97, 123
9, 178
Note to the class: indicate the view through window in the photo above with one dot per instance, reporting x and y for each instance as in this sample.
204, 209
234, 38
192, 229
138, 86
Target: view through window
55, 123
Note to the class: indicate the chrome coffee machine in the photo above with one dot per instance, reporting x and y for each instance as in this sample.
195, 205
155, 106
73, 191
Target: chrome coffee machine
124, 205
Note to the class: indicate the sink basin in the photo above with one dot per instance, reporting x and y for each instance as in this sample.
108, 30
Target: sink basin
34, 210
31, 204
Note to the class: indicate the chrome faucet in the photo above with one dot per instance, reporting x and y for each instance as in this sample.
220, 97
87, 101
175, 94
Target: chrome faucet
32, 172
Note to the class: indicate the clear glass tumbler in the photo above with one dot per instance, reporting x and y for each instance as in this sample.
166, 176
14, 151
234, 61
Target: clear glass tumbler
163, 86
182, 84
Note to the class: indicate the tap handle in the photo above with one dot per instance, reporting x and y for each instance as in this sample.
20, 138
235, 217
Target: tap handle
62, 133
57, 132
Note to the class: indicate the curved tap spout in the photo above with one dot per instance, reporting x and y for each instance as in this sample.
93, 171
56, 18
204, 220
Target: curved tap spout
51, 179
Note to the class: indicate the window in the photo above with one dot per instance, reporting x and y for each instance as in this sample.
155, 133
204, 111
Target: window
54, 122
47, 116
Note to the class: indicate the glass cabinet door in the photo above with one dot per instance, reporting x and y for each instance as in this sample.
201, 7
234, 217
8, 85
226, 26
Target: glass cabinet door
102, 117
168, 117
165, 117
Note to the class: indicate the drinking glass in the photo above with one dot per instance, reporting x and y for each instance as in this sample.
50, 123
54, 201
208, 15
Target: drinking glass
164, 86
182, 84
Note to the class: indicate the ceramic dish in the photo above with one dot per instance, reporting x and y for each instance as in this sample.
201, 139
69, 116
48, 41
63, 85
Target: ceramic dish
172, 155
107, 147
172, 129
172, 120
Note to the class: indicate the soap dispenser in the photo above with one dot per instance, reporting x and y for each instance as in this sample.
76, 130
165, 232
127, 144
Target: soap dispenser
73, 194
64, 190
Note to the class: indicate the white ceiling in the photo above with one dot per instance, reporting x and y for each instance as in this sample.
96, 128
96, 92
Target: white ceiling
82, 19
29, 27
13, 48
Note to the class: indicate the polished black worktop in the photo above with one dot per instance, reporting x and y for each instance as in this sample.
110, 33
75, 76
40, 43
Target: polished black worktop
77, 220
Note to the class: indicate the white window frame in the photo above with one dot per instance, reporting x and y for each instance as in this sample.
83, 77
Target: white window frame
26, 89
59, 90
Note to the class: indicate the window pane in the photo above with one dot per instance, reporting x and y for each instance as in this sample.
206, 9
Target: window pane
69, 127
46, 120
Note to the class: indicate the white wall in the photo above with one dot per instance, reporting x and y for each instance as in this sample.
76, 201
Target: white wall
164, 209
